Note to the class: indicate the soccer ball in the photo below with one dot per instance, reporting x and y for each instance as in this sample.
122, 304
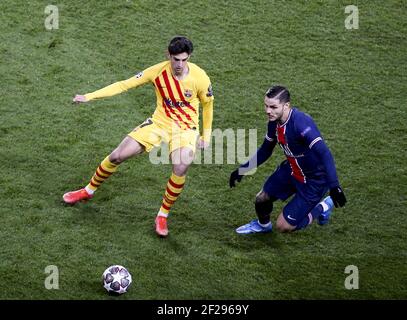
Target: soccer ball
116, 279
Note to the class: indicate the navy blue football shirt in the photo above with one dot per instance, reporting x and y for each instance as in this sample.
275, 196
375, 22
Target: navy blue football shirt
303, 146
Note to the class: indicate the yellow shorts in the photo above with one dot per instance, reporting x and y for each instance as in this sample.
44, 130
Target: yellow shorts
150, 134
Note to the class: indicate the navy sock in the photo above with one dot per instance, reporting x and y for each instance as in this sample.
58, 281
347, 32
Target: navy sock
263, 211
316, 211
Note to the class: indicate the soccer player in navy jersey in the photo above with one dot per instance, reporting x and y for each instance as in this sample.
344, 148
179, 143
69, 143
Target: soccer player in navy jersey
307, 173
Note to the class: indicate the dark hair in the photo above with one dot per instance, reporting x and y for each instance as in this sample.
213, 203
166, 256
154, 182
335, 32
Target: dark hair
278, 92
180, 44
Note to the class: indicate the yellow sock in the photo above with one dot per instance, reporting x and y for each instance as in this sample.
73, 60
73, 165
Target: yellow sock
174, 188
104, 171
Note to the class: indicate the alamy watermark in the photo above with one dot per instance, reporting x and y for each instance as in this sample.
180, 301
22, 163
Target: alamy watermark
227, 146
352, 280
52, 20
352, 20
52, 279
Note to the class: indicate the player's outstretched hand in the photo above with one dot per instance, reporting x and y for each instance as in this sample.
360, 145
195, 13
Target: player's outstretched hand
235, 176
79, 98
338, 197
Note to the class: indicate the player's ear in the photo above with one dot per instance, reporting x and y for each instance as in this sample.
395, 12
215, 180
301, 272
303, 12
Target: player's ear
167, 54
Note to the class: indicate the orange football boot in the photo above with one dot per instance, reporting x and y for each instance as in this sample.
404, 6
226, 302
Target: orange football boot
76, 196
161, 226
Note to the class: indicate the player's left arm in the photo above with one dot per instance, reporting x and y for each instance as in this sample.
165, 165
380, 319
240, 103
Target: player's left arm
206, 98
316, 143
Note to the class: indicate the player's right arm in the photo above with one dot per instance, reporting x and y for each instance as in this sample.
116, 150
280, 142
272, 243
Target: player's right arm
312, 137
263, 153
118, 87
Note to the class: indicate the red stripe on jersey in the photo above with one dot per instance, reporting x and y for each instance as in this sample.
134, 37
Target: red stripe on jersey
172, 97
158, 83
168, 114
177, 115
296, 170
182, 95
281, 135
160, 89
175, 185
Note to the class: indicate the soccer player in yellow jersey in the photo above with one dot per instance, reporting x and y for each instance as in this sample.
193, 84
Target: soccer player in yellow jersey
180, 87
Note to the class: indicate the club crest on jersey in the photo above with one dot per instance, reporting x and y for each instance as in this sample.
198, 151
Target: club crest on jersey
139, 75
188, 93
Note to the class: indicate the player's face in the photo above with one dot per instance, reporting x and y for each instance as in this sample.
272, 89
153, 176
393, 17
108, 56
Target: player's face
275, 110
179, 63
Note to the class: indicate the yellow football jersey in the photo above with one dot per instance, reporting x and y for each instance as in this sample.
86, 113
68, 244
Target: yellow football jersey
177, 100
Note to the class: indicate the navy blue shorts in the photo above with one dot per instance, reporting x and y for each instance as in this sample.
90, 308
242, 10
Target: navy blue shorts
281, 185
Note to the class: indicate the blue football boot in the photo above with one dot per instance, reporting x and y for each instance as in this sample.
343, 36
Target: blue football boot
254, 227
327, 205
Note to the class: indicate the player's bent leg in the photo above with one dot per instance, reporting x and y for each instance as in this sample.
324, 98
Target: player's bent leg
278, 186
181, 159
126, 149
264, 206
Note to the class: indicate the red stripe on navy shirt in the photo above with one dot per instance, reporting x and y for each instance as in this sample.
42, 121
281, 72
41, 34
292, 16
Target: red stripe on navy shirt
296, 170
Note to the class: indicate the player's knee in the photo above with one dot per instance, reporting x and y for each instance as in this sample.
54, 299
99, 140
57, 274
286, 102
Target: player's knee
282, 225
115, 158
180, 169
262, 197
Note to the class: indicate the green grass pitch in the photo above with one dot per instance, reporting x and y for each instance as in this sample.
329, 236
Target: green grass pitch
353, 83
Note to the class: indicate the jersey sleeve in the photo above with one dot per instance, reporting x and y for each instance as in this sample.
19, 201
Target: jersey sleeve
264, 152
205, 92
308, 131
323, 152
122, 86
205, 95
312, 138
271, 131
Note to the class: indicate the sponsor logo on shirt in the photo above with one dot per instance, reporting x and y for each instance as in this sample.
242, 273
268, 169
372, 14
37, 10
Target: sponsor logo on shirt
139, 75
174, 104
